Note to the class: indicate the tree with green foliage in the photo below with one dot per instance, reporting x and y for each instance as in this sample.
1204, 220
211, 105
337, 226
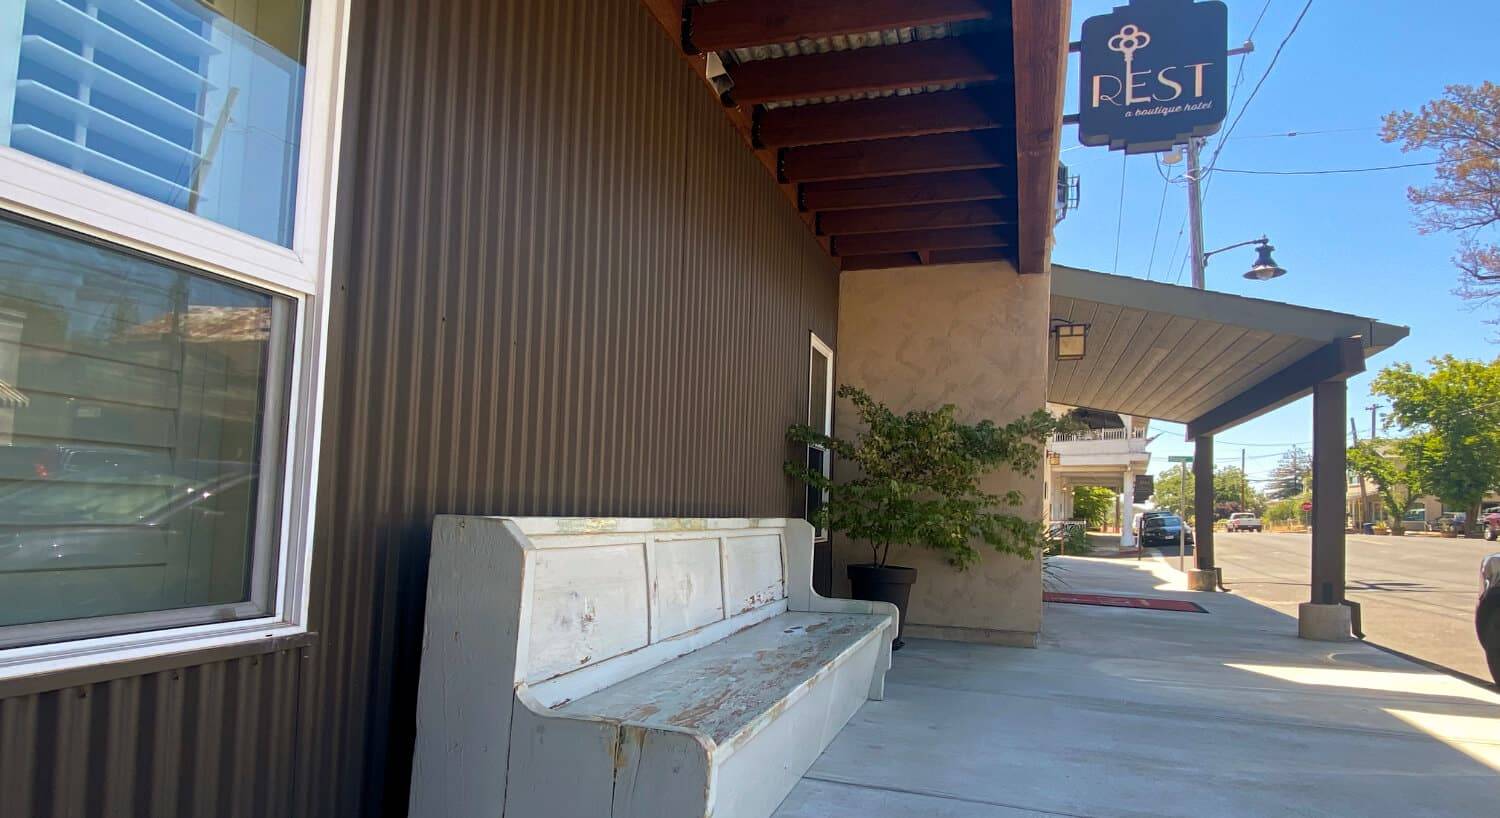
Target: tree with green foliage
919, 480
1292, 476
1374, 461
1228, 483
1230, 486
1284, 511
1463, 126
1452, 418
1170, 494
1095, 505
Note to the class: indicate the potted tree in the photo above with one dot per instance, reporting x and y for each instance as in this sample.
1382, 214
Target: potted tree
918, 483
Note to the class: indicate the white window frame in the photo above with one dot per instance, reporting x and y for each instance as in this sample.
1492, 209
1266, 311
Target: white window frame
49, 193
817, 347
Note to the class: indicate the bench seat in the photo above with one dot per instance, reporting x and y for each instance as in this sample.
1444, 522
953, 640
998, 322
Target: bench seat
632, 668
725, 691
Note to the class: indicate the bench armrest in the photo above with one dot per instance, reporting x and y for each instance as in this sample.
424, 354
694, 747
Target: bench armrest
565, 764
802, 597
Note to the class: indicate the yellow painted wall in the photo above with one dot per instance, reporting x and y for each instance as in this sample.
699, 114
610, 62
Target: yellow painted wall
974, 335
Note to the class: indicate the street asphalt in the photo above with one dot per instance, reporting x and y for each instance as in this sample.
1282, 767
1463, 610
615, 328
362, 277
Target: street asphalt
1417, 593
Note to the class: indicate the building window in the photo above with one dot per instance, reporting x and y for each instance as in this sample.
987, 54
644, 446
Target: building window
820, 417
141, 440
166, 173
196, 105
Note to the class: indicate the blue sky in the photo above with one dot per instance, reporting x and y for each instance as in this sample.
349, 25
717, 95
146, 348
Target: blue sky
1348, 241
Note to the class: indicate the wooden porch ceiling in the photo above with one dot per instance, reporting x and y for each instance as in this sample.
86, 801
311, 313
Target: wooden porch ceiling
905, 132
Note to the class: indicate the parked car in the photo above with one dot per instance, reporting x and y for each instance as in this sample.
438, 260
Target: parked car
1455, 521
1243, 521
1487, 614
52, 461
113, 542
1491, 520
1140, 519
1415, 520
1164, 529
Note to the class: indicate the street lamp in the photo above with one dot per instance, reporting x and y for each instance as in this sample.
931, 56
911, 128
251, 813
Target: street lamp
1265, 268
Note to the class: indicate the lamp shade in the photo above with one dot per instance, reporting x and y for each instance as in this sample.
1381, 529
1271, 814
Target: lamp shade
1265, 267
1071, 340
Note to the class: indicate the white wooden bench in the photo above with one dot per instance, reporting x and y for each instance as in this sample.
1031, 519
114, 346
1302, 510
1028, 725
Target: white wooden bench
632, 668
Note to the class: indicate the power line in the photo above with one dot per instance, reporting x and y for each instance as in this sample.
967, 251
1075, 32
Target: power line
1120, 216
1219, 148
1319, 132
1177, 279
1239, 76
1329, 172
1166, 184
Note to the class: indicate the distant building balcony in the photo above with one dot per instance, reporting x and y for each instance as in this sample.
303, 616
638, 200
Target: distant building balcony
1100, 434
1101, 447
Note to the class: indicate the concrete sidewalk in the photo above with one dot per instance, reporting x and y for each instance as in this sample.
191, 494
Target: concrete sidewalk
1125, 712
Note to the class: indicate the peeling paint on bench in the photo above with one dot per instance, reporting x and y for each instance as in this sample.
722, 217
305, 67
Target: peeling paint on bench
632, 667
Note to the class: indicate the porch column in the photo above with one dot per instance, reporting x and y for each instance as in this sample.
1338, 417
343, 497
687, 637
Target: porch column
1204, 576
1326, 617
1127, 499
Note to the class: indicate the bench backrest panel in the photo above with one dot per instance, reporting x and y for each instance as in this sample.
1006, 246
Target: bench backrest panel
601, 589
588, 604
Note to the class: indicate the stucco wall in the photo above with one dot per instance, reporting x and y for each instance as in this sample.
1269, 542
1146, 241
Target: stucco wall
974, 335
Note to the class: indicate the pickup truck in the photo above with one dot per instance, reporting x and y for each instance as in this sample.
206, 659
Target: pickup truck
1491, 520
1243, 521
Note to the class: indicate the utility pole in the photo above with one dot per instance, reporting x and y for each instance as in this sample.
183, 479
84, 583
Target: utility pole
1372, 407
1182, 521
1364, 498
1195, 208
1244, 484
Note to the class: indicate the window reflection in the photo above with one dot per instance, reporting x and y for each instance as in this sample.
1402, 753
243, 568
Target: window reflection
139, 434
194, 104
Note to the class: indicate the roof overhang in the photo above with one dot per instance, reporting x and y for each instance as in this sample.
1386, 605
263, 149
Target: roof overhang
904, 132
1206, 359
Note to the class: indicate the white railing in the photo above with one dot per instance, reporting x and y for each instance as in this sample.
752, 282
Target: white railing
1100, 434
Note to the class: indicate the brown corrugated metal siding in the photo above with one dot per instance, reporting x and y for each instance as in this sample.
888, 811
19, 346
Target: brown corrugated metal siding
563, 287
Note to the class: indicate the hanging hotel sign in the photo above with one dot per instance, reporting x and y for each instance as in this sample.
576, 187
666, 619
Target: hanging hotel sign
1153, 74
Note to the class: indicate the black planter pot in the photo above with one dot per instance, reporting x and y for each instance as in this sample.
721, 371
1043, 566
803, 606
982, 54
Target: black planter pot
889, 583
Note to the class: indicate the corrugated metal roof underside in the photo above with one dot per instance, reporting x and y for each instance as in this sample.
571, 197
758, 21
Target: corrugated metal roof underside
1174, 353
850, 42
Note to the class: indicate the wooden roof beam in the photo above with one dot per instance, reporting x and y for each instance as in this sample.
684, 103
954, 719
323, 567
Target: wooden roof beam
894, 157
878, 68
969, 254
746, 23
980, 108
924, 188
1041, 51
923, 258
959, 238
881, 261
916, 217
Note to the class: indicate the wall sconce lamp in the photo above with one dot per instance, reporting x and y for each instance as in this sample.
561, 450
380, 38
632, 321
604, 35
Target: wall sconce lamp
1071, 340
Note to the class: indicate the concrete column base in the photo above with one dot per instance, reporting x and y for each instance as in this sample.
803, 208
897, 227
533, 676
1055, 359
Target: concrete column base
1324, 623
1203, 579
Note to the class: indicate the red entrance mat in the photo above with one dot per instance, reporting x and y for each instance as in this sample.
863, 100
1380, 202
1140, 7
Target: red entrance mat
1146, 603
